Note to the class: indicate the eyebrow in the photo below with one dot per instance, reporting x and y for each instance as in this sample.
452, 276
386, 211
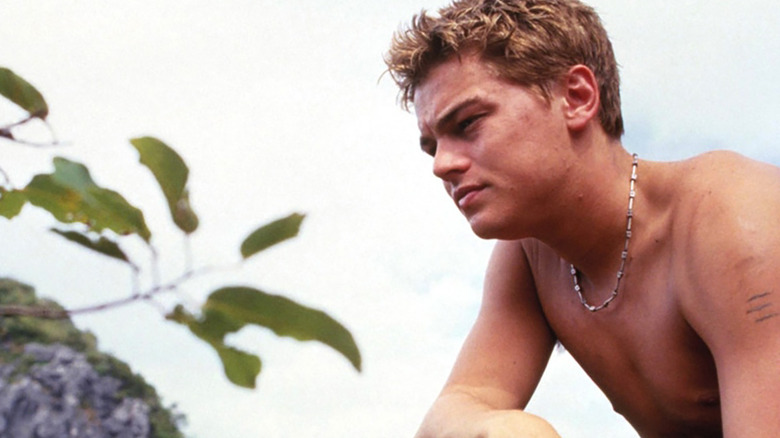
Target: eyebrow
447, 118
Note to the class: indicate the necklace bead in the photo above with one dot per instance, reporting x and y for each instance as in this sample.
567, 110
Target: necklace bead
623, 255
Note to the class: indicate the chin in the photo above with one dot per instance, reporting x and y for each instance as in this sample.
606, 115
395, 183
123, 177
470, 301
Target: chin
487, 230
496, 229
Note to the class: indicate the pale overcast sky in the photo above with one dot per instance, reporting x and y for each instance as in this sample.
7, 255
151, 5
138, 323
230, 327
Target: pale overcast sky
279, 107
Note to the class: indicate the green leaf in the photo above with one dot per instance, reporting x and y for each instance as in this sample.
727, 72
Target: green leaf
284, 316
271, 234
213, 326
171, 173
20, 92
240, 368
229, 309
102, 245
71, 195
11, 202
180, 315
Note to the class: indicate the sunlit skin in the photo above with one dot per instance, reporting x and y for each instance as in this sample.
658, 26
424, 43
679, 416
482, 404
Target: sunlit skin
691, 345
482, 167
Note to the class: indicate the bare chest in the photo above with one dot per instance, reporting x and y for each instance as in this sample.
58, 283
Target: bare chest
640, 351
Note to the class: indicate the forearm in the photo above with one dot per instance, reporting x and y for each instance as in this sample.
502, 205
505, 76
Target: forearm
461, 415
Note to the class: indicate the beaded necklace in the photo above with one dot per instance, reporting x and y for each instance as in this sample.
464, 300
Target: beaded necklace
624, 254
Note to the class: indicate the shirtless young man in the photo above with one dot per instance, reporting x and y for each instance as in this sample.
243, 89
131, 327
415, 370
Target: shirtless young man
517, 101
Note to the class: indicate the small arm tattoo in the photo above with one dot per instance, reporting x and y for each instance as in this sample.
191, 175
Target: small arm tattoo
761, 308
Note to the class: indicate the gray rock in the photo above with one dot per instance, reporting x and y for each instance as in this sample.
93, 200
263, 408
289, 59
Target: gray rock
62, 396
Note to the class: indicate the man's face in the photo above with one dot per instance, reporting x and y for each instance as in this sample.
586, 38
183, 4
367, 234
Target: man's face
499, 147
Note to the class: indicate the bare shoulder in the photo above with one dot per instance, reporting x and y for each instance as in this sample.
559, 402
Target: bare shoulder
725, 192
726, 235
729, 173
725, 277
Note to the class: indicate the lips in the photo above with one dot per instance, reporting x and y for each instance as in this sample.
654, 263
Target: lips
463, 195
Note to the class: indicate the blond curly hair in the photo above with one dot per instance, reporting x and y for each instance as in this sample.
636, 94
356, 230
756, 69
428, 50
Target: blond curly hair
529, 42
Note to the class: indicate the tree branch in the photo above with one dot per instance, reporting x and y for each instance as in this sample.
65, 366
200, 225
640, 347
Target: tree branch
6, 178
15, 124
53, 144
53, 313
5, 132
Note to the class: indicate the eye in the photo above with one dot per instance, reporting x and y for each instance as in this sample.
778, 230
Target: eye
466, 123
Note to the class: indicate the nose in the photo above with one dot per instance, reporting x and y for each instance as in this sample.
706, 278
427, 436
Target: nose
449, 161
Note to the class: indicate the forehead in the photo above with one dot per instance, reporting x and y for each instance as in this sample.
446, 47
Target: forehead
449, 78
456, 80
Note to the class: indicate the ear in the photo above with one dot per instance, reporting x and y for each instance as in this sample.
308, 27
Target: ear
580, 96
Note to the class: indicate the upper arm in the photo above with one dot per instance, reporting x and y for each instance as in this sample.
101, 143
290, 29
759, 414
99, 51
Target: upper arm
735, 300
507, 350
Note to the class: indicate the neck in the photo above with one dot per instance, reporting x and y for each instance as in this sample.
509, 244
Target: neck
590, 230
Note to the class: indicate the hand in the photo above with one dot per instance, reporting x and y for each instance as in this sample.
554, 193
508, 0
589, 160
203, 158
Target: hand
489, 424
512, 424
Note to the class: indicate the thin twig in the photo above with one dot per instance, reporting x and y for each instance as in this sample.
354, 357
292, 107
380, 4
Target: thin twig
5, 132
33, 144
6, 178
155, 266
160, 308
17, 123
51, 130
51, 313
